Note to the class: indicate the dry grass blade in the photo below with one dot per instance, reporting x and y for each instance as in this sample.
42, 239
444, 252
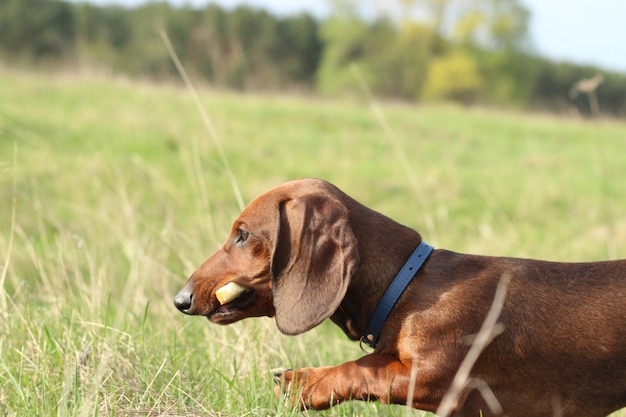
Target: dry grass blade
488, 331
412, 382
7, 259
205, 116
397, 149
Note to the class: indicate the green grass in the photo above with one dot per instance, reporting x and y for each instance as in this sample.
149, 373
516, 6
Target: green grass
120, 194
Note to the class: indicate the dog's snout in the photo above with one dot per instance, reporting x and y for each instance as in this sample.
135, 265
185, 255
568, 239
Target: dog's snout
183, 300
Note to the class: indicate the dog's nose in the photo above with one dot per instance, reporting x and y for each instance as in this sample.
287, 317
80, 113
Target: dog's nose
183, 299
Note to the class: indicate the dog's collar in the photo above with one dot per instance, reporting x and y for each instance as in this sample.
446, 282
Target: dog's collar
391, 296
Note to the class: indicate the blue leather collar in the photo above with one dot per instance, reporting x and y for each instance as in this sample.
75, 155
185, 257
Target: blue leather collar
393, 293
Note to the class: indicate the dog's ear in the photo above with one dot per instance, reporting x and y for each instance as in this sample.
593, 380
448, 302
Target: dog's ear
315, 256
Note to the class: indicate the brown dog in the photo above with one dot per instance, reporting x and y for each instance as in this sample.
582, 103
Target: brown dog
305, 252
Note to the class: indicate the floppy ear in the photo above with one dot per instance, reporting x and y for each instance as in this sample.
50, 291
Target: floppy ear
315, 256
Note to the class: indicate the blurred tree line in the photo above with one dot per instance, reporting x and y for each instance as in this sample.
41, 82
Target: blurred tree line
470, 51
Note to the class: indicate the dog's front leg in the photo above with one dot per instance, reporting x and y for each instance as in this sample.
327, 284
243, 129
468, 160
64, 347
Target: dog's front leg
373, 377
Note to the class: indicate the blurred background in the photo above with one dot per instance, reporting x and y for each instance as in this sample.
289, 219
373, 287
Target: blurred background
492, 127
518, 53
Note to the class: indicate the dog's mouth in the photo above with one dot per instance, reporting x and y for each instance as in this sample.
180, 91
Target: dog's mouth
233, 300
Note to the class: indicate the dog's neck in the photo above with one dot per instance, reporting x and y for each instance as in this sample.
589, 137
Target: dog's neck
380, 260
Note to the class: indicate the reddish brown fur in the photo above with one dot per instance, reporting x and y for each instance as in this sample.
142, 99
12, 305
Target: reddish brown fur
315, 253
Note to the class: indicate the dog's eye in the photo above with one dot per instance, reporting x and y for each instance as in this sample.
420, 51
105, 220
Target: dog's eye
242, 236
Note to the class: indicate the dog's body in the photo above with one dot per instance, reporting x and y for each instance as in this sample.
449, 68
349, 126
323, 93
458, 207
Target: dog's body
310, 252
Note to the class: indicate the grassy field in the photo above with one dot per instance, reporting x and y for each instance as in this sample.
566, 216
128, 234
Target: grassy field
119, 192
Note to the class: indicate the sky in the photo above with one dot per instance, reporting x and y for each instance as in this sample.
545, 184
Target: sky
581, 31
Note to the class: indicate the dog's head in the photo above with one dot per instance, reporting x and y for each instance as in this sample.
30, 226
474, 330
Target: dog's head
292, 254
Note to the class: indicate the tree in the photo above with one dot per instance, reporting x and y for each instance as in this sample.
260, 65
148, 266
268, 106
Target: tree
36, 29
343, 39
299, 51
491, 24
453, 77
420, 44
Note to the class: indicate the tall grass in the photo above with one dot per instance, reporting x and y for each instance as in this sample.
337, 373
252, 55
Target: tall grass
119, 194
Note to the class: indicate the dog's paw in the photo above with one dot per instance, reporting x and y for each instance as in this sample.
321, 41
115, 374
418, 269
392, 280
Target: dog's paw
306, 387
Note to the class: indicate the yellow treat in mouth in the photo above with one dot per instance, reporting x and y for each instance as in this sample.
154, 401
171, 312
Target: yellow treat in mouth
229, 292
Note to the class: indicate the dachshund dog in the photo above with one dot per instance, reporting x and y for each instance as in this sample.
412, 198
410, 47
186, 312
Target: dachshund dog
305, 251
